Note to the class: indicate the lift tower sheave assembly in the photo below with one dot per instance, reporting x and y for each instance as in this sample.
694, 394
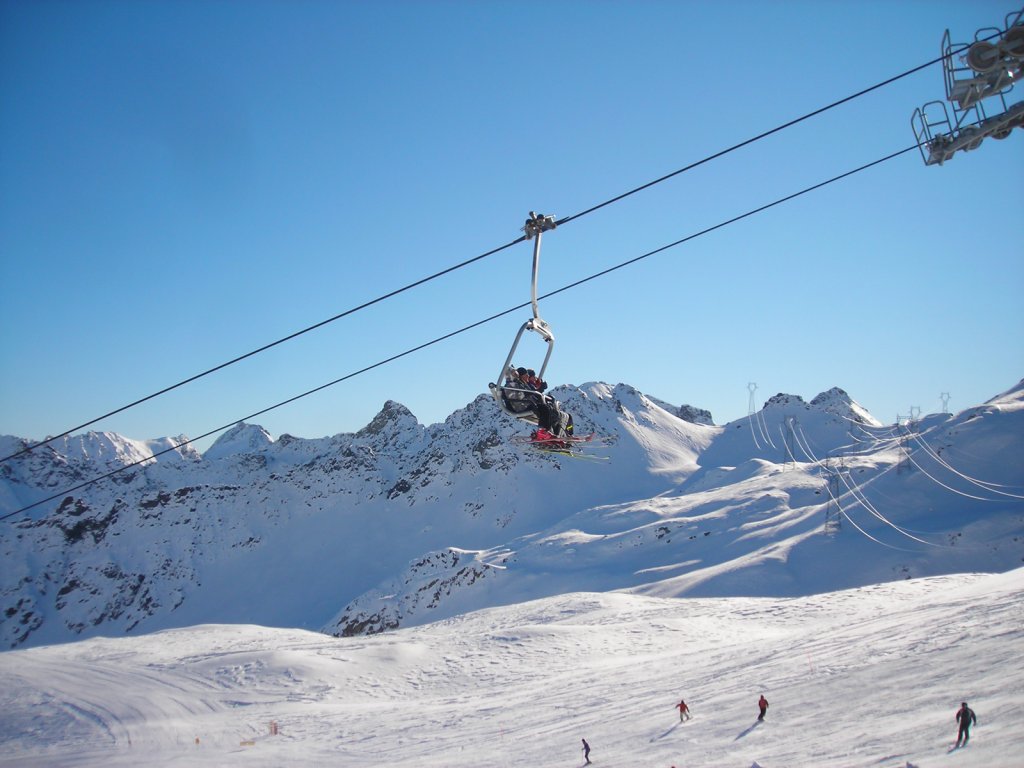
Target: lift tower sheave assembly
978, 78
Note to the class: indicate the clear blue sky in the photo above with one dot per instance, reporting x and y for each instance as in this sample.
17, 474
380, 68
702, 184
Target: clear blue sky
182, 182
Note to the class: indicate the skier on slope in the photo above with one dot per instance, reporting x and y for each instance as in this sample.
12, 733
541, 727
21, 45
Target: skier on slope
586, 750
762, 705
966, 717
684, 711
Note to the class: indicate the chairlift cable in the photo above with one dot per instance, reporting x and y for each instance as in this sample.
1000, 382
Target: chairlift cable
290, 400
467, 262
760, 136
733, 220
452, 334
265, 347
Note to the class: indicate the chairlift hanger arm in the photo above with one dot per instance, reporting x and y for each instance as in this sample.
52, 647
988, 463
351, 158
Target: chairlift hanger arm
535, 226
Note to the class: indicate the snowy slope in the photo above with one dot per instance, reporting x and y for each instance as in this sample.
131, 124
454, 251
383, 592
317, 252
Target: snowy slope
868, 678
751, 519
286, 532
402, 523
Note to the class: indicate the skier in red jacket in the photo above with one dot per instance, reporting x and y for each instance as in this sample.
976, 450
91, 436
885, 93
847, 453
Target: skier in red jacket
762, 704
684, 711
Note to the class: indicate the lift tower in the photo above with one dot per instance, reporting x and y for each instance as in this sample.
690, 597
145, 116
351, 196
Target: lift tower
987, 69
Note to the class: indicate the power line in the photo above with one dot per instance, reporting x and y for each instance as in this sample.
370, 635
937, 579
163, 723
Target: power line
735, 219
466, 263
447, 336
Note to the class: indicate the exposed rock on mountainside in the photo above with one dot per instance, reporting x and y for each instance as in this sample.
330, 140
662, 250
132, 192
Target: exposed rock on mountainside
402, 523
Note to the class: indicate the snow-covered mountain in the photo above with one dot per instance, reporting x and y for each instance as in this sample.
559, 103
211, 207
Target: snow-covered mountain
401, 523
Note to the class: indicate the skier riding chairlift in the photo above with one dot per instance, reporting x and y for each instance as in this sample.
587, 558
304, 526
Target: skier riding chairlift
522, 392
523, 397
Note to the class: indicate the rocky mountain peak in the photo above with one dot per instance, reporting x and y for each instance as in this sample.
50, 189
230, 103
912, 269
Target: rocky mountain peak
782, 399
695, 415
403, 523
240, 439
392, 417
838, 402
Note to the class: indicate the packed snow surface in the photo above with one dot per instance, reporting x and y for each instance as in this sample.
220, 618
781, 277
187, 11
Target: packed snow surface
868, 677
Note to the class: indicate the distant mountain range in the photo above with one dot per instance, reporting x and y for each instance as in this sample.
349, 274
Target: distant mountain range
401, 523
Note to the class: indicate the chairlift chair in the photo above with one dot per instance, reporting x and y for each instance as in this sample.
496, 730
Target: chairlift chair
517, 401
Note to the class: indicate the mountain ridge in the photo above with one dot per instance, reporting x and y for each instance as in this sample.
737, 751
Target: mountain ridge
401, 523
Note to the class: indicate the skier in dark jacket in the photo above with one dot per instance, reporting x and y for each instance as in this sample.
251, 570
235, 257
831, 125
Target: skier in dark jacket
965, 716
586, 750
516, 393
523, 392
551, 418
